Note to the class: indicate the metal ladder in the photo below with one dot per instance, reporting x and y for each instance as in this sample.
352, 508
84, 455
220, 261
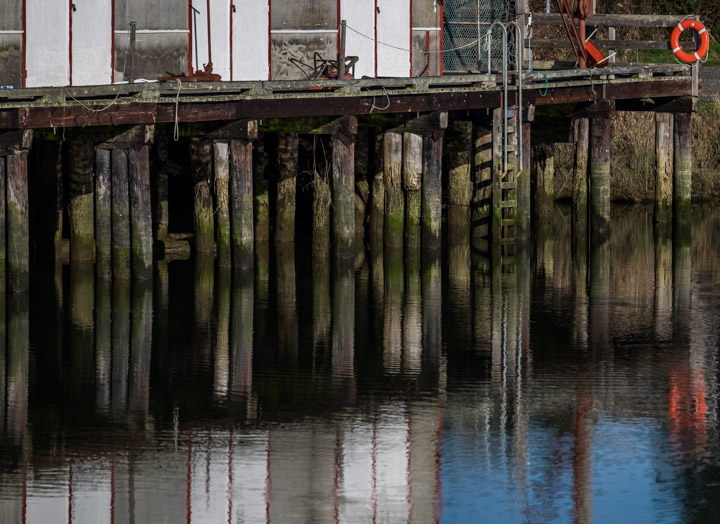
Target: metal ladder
507, 142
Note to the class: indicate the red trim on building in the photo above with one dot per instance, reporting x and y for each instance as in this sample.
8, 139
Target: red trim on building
112, 43
441, 38
269, 39
427, 53
339, 28
24, 43
70, 41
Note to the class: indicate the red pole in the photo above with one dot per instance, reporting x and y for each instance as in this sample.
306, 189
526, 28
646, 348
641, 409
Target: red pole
209, 64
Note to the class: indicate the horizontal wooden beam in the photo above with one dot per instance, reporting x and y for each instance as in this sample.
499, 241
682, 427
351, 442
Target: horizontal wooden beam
650, 21
611, 44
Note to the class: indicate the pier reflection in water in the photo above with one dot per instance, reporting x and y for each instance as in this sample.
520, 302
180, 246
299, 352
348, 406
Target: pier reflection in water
571, 385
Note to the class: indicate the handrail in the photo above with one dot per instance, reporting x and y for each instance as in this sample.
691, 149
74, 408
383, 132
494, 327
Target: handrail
649, 21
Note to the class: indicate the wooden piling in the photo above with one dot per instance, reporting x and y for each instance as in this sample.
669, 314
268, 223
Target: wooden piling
458, 152
544, 181
412, 172
103, 213
581, 137
120, 215
241, 335
600, 177
482, 183
343, 194
221, 163
432, 191
160, 190
377, 190
682, 167
322, 203
3, 240
201, 162
261, 198
394, 222
141, 239
120, 340
82, 224
286, 187
663, 168
524, 198
241, 203
17, 222
48, 214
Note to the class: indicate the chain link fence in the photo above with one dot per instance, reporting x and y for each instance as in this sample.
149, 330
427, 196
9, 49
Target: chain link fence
466, 24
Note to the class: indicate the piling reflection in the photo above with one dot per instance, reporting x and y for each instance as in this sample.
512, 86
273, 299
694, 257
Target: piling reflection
411, 387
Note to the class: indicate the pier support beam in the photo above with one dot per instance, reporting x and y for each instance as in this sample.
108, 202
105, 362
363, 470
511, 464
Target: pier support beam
682, 166
48, 224
377, 191
201, 161
286, 187
432, 190
343, 187
221, 163
523, 211
103, 213
82, 221
394, 223
482, 183
161, 208
412, 181
581, 142
600, 177
663, 168
17, 216
458, 152
120, 215
241, 203
544, 181
140, 213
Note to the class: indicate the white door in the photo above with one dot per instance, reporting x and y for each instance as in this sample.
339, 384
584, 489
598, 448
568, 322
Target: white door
393, 35
250, 40
47, 52
220, 34
360, 37
92, 35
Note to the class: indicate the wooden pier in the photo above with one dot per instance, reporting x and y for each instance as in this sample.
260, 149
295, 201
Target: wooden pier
114, 146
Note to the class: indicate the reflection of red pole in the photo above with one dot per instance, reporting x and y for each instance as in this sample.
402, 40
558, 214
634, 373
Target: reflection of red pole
230, 476
208, 67
188, 482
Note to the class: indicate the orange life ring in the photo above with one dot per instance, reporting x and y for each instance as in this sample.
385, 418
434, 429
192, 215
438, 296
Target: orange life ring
690, 58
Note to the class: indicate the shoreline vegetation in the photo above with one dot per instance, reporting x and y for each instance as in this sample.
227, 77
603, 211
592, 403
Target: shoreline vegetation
633, 157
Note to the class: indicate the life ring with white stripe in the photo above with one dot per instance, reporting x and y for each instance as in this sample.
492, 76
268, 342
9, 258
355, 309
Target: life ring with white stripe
701, 51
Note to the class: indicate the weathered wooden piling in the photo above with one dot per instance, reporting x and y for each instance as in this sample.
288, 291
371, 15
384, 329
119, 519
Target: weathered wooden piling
600, 177
394, 221
241, 203
120, 344
524, 197
286, 187
103, 342
221, 163
161, 207
261, 197
287, 327
17, 222
322, 204
3, 239
201, 161
141, 238
394, 273
48, 204
377, 190
412, 321
432, 191
497, 174
544, 181
343, 187
141, 347
581, 139
343, 329
482, 183
241, 335
412, 172
82, 224
682, 167
103, 213
458, 152
663, 168
120, 214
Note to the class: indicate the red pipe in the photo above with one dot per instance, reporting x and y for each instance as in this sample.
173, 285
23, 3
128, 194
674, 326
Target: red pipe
411, 37
24, 43
376, 53
70, 40
269, 39
232, 10
209, 64
441, 38
190, 37
112, 42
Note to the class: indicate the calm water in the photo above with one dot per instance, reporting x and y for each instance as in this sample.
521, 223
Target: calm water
568, 388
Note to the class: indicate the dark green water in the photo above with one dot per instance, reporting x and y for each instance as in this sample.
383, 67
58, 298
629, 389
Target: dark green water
571, 388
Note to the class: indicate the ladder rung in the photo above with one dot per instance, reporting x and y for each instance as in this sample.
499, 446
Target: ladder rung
508, 203
508, 222
507, 185
506, 241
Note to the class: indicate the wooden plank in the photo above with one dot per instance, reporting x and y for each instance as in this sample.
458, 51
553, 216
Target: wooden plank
651, 21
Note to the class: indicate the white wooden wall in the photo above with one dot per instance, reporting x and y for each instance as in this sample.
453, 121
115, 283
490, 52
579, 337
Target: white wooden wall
47, 43
360, 18
92, 35
250, 45
393, 28
220, 29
